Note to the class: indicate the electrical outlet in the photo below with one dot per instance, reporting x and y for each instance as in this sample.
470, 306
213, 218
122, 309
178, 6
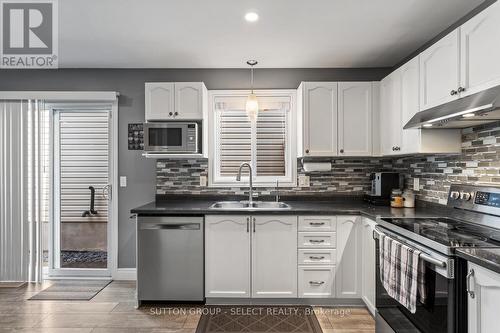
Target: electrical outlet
416, 184
304, 181
203, 181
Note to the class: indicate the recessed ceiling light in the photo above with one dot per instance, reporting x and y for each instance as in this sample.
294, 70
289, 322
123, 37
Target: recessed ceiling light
251, 17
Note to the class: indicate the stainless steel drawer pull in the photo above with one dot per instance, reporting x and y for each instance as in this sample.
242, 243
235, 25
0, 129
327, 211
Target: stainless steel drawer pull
183, 226
467, 280
316, 283
316, 241
316, 223
316, 258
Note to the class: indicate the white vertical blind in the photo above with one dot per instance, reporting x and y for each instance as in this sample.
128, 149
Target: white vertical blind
21, 189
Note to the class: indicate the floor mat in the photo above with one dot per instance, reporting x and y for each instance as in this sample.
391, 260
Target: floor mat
299, 319
72, 290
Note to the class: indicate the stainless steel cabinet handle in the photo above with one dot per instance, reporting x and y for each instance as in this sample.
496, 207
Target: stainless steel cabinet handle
341, 151
316, 283
316, 258
254, 224
470, 292
248, 224
461, 89
316, 241
316, 223
307, 151
453, 92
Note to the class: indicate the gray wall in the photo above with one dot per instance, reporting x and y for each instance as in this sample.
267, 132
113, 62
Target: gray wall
130, 83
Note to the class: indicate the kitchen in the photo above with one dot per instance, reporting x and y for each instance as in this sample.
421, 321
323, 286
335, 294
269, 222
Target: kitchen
280, 192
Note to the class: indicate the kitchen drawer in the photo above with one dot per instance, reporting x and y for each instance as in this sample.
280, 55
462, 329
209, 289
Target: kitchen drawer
317, 223
316, 281
317, 239
317, 257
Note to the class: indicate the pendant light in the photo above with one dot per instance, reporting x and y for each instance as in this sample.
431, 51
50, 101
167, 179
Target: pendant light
252, 105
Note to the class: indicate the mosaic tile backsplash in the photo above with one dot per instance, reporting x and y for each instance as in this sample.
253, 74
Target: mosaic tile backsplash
479, 163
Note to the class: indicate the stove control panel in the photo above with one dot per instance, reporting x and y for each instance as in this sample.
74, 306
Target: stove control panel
475, 198
487, 199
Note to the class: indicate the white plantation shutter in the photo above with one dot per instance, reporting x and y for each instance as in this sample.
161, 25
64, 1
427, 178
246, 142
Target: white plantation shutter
265, 144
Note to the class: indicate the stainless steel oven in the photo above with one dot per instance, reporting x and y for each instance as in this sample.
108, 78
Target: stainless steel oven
172, 137
439, 314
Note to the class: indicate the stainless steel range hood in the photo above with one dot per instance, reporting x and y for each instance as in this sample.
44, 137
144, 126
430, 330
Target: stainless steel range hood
477, 109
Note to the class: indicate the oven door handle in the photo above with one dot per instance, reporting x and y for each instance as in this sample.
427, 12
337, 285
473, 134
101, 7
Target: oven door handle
424, 256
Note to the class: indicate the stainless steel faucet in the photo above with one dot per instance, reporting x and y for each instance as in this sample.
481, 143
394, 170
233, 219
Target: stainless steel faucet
238, 178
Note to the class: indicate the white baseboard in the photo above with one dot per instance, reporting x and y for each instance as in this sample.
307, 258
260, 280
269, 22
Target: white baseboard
129, 274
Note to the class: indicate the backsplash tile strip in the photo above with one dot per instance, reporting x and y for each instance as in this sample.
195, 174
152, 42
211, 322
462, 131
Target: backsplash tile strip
479, 163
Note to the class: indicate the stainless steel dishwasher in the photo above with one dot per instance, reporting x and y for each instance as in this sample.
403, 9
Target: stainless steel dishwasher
170, 259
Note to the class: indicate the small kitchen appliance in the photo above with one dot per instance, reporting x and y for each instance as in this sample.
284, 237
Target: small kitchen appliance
172, 137
382, 184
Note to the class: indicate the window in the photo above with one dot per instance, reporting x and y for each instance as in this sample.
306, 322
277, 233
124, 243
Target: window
267, 144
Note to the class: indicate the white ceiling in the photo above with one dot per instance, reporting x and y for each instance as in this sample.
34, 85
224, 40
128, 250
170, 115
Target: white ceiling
213, 33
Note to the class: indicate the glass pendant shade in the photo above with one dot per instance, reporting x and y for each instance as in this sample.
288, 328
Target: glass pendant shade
252, 107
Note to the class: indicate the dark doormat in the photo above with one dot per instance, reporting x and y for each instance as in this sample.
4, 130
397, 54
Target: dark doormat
299, 319
72, 290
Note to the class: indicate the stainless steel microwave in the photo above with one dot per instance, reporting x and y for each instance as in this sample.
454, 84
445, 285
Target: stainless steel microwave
172, 137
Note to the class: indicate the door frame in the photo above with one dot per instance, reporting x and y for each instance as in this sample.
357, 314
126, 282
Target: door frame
110, 99
54, 272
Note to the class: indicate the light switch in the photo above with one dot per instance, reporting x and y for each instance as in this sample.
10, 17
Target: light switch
203, 181
416, 184
304, 181
123, 181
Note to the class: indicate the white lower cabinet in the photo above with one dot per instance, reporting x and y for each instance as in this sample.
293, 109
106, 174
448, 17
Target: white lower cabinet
483, 307
227, 256
368, 264
274, 256
250, 256
348, 273
316, 281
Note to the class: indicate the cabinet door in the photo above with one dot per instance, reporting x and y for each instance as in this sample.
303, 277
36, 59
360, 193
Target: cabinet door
320, 118
409, 106
355, 118
274, 256
159, 100
227, 256
189, 100
368, 264
390, 113
439, 72
483, 308
480, 51
348, 272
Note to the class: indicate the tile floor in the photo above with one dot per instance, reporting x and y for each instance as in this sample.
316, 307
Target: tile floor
112, 310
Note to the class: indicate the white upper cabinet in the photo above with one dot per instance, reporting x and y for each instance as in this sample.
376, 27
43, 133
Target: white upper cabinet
175, 100
480, 51
410, 138
274, 256
318, 119
483, 306
159, 100
355, 118
390, 114
348, 273
439, 71
189, 99
227, 256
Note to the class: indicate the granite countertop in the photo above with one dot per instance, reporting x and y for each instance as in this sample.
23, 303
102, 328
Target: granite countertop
486, 257
298, 207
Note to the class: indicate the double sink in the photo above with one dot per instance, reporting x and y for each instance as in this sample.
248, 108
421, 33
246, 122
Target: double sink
246, 205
